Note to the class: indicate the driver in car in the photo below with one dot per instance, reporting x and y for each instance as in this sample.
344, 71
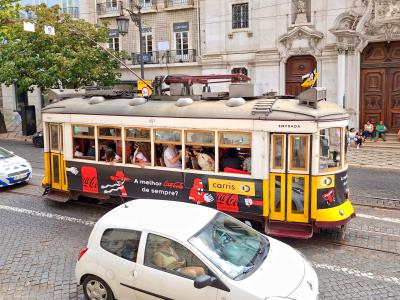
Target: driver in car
166, 257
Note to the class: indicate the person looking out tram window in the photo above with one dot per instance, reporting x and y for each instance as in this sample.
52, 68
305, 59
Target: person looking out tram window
172, 157
111, 157
78, 152
141, 154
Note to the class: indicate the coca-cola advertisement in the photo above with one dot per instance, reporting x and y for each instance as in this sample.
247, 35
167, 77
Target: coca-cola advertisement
90, 182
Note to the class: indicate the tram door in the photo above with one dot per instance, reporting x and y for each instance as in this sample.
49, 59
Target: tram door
290, 177
57, 162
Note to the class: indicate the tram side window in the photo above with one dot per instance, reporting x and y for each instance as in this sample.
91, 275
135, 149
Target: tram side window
138, 146
168, 148
200, 150
235, 152
330, 155
110, 144
83, 142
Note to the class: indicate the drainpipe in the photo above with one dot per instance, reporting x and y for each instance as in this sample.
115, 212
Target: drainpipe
198, 27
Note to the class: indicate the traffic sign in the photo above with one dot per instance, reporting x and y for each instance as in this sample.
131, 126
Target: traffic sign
144, 88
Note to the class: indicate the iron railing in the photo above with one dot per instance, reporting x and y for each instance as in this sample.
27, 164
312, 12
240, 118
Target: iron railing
145, 4
181, 56
148, 58
109, 8
170, 57
178, 3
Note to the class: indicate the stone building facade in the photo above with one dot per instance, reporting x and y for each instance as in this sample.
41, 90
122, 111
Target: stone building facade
170, 35
353, 44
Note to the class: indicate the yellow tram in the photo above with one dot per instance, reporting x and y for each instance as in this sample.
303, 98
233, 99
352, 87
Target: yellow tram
292, 179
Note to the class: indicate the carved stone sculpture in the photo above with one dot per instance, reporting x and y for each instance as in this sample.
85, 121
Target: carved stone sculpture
301, 16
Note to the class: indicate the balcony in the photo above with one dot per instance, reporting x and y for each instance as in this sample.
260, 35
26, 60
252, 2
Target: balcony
72, 11
109, 9
171, 57
148, 4
178, 4
148, 58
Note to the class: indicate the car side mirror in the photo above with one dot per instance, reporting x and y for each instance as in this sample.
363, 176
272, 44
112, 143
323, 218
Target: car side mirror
202, 281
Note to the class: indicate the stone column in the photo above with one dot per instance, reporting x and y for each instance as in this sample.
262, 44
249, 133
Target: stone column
341, 77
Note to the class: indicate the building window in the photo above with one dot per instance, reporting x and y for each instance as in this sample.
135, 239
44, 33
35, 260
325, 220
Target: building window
113, 43
182, 43
145, 3
147, 39
240, 71
240, 15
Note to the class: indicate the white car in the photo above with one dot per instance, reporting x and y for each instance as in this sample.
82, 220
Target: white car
13, 169
153, 249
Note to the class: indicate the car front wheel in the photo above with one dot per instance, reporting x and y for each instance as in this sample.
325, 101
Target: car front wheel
96, 289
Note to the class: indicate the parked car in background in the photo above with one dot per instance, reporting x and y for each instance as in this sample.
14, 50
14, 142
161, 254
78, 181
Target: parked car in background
13, 169
154, 249
37, 139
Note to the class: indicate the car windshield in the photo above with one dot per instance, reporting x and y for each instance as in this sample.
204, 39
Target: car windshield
5, 154
233, 247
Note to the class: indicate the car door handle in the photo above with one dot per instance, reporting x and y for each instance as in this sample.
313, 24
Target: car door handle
134, 273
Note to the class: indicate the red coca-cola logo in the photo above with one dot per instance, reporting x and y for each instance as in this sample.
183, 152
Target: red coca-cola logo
228, 202
90, 183
173, 185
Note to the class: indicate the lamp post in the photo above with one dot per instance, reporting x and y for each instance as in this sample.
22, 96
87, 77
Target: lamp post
123, 26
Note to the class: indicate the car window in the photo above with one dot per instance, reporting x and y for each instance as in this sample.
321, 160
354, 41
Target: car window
121, 242
5, 154
233, 247
167, 255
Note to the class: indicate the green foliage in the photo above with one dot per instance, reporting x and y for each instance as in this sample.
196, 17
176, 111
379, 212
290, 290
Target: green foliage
67, 60
8, 12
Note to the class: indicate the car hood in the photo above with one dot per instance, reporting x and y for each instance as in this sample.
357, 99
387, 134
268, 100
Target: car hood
12, 164
281, 273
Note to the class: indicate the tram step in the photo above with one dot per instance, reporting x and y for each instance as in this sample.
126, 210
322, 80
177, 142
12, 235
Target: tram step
290, 230
57, 196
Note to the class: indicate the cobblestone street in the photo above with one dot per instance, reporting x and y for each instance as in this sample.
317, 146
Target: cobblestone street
41, 241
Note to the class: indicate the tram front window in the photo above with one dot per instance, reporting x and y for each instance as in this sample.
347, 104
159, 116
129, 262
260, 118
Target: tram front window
330, 154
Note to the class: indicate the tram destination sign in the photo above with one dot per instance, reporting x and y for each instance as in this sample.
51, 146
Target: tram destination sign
290, 126
229, 194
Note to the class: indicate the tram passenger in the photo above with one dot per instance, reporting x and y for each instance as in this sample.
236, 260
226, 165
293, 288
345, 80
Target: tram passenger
111, 156
247, 165
231, 160
172, 157
78, 152
92, 150
204, 161
141, 155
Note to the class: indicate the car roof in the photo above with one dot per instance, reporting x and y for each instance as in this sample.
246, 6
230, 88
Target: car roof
175, 219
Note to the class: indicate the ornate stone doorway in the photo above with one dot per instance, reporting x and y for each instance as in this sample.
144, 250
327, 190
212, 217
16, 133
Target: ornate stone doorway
296, 67
380, 84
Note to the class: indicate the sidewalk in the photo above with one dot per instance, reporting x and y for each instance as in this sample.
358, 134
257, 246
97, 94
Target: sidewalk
14, 133
369, 157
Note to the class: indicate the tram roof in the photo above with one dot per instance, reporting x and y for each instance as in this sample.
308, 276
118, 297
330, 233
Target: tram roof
280, 109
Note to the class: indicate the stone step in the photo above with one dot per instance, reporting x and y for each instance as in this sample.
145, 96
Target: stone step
382, 145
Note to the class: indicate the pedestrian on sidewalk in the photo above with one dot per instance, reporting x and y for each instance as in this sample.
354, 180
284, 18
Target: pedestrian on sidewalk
380, 131
369, 130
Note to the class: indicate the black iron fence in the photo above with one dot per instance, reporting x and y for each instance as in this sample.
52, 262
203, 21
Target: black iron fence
171, 56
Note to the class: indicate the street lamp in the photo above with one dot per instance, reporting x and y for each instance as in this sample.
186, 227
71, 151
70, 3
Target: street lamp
123, 25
